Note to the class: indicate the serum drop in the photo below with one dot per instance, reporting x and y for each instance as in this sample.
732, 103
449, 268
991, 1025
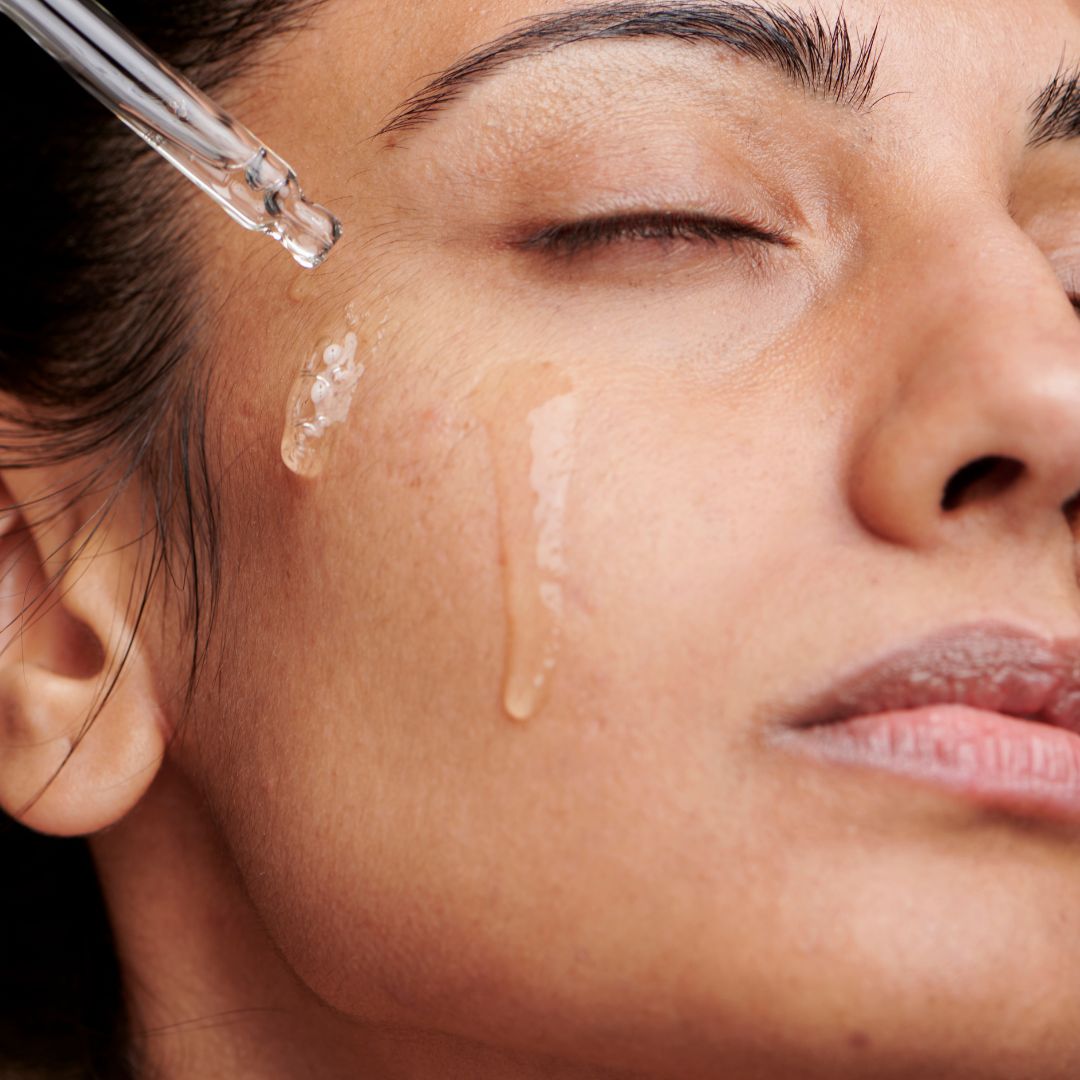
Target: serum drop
319, 402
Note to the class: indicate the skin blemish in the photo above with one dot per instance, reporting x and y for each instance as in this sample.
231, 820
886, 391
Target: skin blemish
530, 413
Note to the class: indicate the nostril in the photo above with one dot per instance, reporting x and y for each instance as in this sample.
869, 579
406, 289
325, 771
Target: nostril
1072, 510
986, 477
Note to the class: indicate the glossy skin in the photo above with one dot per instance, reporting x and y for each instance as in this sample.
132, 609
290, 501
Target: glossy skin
633, 882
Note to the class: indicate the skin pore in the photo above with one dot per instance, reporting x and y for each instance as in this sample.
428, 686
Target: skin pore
350, 861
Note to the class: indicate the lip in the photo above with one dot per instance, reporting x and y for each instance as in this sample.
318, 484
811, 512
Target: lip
986, 710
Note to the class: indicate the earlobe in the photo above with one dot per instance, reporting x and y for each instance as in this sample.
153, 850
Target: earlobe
60, 645
60, 776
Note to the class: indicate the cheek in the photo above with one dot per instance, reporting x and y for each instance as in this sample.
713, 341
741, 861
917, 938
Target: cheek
685, 513
407, 826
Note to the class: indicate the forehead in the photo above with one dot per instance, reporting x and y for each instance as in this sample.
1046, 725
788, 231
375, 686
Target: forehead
982, 56
954, 86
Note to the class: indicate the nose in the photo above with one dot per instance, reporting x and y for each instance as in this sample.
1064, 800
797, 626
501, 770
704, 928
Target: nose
978, 413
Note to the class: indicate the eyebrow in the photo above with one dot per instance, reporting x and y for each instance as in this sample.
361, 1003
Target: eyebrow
815, 56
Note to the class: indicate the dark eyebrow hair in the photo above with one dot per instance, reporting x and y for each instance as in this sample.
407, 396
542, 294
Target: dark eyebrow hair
1056, 111
815, 56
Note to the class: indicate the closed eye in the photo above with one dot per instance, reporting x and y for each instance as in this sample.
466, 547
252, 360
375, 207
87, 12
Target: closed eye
666, 228
1071, 290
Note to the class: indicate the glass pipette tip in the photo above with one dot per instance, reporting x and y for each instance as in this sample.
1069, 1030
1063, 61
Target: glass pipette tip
216, 152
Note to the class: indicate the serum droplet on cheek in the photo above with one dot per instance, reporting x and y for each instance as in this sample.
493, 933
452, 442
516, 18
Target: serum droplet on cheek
320, 400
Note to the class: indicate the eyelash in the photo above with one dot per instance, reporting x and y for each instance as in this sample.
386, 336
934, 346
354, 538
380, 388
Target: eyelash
1072, 291
589, 234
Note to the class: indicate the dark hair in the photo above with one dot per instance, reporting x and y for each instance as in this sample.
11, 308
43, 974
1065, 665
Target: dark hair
100, 360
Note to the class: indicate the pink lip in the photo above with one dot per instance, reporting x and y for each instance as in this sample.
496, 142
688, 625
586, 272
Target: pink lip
987, 711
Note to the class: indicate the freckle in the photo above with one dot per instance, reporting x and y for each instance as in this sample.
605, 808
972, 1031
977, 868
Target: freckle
858, 1040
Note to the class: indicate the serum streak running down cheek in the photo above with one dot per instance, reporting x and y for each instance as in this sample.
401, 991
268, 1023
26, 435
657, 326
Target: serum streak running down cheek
530, 412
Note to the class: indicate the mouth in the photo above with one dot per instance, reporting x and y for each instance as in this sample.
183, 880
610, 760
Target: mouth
987, 711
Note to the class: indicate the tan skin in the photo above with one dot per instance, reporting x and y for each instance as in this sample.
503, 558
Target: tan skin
353, 863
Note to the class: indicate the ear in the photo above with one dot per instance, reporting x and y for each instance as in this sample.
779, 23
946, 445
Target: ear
67, 605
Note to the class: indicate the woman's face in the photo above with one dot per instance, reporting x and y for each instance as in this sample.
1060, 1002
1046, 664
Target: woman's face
491, 741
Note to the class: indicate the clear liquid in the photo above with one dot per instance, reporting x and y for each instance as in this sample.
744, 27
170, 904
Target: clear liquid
319, 403
530, 412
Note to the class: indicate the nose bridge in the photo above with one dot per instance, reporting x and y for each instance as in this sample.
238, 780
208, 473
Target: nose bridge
984, 392
984, 293
999, 346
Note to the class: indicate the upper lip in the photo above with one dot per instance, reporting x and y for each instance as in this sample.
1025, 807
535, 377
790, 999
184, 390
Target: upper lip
986, 665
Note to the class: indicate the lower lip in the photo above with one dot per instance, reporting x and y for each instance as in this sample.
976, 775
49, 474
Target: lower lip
994, 760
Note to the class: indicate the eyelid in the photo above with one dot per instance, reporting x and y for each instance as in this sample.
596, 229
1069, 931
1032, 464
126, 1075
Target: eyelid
1072, 291
568, 237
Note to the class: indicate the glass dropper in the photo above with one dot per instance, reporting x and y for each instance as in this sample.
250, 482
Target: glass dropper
217, 153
